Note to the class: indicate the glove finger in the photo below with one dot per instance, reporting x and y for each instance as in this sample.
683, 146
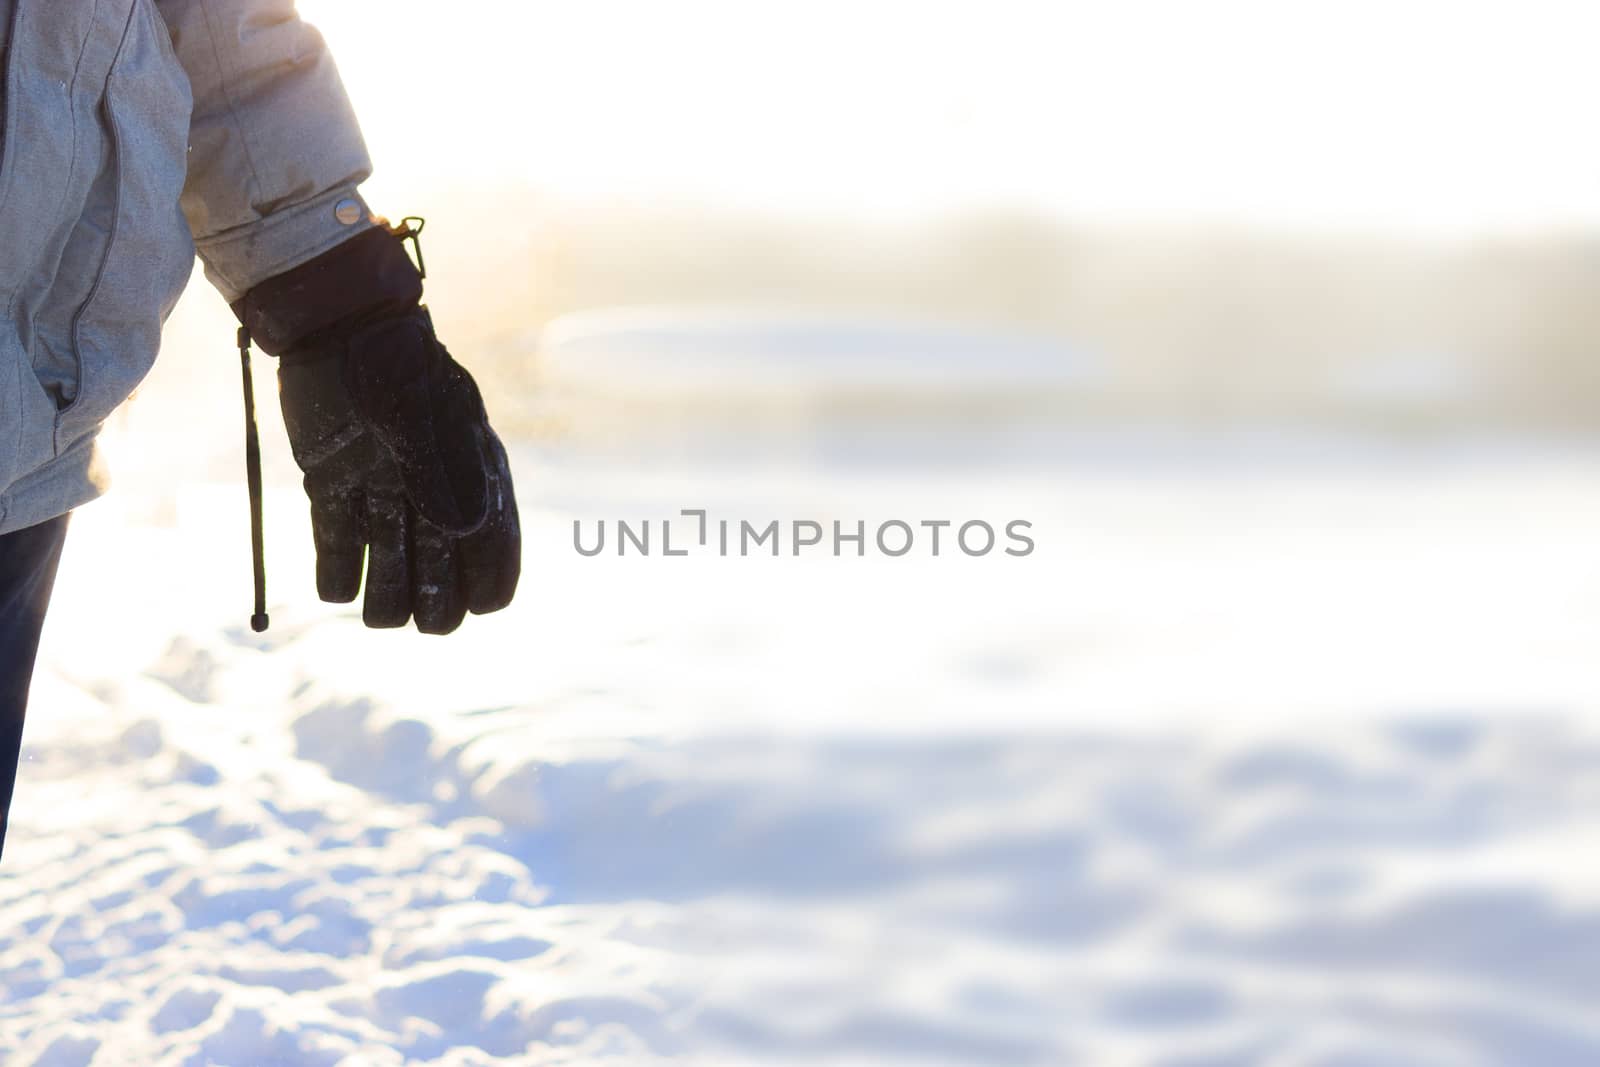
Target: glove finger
388, 599
336, 533
438, 600
491, 556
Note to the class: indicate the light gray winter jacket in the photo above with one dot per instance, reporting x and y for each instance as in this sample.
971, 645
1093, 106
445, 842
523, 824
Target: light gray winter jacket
134, 133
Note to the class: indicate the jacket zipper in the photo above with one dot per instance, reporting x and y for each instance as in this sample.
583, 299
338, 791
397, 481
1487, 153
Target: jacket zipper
7, 48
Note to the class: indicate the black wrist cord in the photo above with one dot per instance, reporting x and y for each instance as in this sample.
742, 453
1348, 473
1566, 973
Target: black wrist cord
252, 466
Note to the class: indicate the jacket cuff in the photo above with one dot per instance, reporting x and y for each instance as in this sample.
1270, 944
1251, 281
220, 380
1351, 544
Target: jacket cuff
237, 260
366, 275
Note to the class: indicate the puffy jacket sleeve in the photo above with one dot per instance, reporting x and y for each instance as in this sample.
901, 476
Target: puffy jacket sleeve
275, 153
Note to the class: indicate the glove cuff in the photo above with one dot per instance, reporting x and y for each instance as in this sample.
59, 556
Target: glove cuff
370, 274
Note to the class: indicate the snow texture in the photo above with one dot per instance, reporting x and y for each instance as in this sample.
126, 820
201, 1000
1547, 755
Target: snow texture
1258, 768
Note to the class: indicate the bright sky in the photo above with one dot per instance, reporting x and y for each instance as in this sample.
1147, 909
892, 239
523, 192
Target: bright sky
1426, 114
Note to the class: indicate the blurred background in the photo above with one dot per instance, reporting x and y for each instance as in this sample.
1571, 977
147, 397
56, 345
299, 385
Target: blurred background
1278, 323
1375, 217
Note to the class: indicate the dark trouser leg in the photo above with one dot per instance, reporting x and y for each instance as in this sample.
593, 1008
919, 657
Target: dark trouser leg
28, 560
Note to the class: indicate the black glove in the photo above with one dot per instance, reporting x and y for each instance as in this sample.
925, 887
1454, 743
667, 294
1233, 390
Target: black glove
398, 455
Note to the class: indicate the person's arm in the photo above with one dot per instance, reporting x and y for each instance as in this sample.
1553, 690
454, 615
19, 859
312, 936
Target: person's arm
408, 483
275, 151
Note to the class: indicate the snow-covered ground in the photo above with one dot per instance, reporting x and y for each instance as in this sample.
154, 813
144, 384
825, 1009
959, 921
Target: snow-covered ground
1272, 757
